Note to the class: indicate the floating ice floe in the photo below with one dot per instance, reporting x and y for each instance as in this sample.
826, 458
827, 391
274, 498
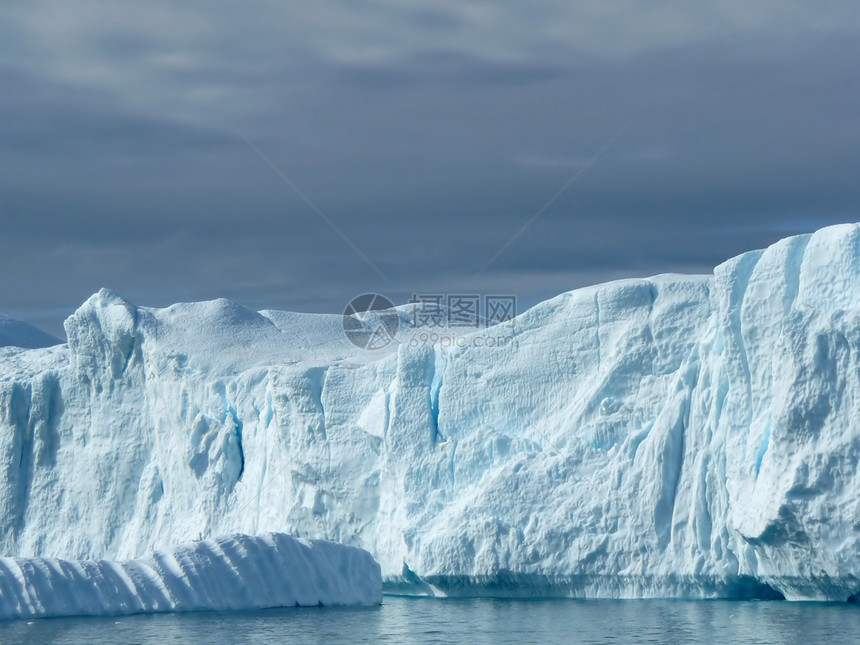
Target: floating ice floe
235, 572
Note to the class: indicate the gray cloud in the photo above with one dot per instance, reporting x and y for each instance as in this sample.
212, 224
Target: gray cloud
429, 133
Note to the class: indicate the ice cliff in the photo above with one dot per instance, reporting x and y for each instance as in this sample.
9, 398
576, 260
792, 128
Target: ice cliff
228, 573
672, 436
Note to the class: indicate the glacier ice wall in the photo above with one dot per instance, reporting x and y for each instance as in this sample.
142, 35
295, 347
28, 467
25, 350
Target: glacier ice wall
227, 573
672, 436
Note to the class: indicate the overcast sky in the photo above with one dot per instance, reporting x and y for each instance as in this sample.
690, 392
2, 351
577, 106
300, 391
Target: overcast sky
427, 132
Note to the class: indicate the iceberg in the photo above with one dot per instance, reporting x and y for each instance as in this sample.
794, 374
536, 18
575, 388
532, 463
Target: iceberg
676, 436
228, 573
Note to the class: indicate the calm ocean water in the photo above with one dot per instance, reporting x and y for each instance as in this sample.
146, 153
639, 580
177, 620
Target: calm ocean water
405, 620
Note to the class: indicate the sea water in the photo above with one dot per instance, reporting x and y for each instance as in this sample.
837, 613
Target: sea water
425, 620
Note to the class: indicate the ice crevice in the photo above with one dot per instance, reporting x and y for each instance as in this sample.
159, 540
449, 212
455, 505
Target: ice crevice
438, 363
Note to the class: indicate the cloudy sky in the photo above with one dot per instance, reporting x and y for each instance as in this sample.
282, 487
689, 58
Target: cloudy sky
138, 141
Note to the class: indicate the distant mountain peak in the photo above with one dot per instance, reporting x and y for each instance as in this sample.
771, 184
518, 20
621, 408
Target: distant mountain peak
17, 333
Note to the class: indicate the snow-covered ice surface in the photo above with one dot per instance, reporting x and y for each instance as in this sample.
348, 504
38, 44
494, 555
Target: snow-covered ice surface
673, 436
235, 572
16, 333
